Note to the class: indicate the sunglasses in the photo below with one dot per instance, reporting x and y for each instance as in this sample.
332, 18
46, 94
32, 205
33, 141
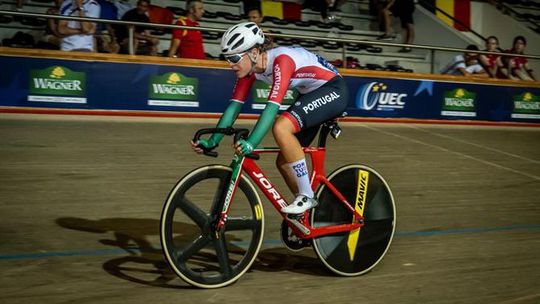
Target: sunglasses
234, 59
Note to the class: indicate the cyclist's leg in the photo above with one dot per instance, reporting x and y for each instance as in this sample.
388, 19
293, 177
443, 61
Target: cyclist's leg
309, 111
305, 138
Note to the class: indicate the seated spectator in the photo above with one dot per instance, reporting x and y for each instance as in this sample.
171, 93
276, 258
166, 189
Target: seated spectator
465, 65
403, 9
106, 36
492, 64
78, 36
143, 42
188, 43
518, 67
52, 38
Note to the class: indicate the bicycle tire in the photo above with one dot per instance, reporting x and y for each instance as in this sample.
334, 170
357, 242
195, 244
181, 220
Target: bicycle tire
192, 248
356, 252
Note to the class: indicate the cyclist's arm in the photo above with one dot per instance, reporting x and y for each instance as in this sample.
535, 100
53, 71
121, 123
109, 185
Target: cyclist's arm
241, 91
283, 69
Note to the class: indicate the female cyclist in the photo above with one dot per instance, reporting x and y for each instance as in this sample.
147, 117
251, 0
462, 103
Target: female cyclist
323, 96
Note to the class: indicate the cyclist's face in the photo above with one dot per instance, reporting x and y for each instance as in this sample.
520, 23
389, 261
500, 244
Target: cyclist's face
243, 66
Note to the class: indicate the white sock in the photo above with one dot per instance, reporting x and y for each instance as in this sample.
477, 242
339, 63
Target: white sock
300, 172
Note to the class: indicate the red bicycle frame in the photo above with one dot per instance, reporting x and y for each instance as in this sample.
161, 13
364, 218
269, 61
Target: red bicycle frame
299, 224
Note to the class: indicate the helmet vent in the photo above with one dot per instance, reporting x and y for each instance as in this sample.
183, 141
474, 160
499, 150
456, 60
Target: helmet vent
239, 43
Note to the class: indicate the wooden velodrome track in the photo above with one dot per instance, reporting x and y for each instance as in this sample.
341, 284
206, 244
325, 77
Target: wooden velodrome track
80, 200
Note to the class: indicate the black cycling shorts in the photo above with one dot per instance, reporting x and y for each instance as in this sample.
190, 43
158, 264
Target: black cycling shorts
310, 110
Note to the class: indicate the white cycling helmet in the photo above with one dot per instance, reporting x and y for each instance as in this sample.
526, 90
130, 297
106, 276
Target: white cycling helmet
241, 37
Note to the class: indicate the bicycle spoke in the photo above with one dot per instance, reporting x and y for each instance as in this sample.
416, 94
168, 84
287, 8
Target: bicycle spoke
240, 223
194, 247
193, 212
223, 255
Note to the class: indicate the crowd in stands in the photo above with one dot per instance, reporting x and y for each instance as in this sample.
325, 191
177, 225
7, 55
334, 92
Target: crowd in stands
108, 38
504, 66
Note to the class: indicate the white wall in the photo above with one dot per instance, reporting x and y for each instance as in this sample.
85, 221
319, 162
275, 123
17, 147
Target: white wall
487, 20
430, 30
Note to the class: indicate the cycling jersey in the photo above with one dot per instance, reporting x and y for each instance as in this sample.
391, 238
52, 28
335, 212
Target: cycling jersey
288, 67
323, 94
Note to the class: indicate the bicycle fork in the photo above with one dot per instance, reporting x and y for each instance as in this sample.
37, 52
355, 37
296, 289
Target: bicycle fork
225, 204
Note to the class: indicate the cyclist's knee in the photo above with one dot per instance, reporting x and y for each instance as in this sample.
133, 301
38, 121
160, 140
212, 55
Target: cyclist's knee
282, 127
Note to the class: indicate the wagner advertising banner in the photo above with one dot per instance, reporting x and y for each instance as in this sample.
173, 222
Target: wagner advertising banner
57, 83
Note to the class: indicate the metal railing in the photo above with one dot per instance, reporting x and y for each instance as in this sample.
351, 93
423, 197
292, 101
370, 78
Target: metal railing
342, 41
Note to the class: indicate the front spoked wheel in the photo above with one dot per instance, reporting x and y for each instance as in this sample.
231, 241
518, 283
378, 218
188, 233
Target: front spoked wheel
358, 251
195, 251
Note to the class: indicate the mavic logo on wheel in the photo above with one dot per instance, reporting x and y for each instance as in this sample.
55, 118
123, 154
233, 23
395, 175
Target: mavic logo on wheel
361, 193
377, 94
270, 189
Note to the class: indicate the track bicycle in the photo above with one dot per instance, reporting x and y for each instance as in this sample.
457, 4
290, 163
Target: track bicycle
212, 223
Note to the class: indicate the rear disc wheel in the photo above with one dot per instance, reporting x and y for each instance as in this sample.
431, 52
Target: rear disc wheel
355, 252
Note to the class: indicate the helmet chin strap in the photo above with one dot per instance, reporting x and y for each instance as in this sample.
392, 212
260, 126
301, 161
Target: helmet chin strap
253, 62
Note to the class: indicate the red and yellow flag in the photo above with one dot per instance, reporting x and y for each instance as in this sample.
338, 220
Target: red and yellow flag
458, 9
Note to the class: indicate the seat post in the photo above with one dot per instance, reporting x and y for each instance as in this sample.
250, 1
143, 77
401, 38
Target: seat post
323, 134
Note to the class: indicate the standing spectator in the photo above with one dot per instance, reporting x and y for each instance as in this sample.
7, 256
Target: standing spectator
188, 43
518, 67
492, 64
78, 36
53, 38
143, 42
255, 15
403, 9
106, 36
249, 4
466, 64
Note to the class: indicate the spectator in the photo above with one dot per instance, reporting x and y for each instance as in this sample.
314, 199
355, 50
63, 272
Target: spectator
255, 15
249, 4
403, 9
53, 38
518, 67
143, 42
106, 38
78, 36
188, 43
492, 64
465, 65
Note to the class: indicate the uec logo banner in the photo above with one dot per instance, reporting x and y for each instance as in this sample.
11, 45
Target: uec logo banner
381, 96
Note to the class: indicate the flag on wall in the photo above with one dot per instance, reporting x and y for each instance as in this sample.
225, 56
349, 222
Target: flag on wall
457, 9
281, 10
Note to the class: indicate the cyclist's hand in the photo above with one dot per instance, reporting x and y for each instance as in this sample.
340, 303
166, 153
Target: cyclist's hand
208, 144
244, 147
